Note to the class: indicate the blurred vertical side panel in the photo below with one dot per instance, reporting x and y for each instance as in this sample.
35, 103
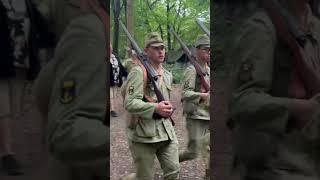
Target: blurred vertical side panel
226, 16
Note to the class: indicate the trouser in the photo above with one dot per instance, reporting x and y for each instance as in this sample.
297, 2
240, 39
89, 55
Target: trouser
6, 97
11, 106
144, 154
205, 147
113, 96
97, 170
198, 131
12, 94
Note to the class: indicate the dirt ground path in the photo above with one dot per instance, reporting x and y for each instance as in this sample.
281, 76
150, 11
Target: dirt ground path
27, 141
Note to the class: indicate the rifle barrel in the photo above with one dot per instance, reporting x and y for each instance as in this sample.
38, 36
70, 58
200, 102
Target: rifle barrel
133, 43
184, 47
203, 27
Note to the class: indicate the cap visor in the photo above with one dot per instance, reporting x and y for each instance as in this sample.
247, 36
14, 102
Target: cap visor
203, 46
156, 44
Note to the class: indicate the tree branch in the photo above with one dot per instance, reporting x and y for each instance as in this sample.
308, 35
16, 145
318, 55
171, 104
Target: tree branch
154, 2
177, 13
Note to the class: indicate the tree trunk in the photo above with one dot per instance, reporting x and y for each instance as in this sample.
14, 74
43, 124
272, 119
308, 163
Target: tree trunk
161, 32
116, 12
168, 25
130, 19
125, 8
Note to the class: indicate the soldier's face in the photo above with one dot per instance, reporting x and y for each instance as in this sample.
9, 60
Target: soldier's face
155, 54
203, 54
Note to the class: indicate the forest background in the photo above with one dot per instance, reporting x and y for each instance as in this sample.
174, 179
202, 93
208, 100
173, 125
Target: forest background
144, 16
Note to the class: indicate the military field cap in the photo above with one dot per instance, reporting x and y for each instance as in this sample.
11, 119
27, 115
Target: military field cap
202, 41
153, 39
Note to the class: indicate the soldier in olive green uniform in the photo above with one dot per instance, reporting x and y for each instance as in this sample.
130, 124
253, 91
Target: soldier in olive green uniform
196, 102
149, 137
71, 92
268, 113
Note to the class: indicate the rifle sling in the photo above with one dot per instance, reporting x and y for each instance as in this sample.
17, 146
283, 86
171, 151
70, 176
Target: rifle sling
284, 34
145, 80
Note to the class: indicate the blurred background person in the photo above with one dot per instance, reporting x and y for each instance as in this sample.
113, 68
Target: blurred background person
116, 79
7, 73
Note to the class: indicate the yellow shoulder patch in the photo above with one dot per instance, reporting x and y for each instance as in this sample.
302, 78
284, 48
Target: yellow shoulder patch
186, 84
131, 90
67, 91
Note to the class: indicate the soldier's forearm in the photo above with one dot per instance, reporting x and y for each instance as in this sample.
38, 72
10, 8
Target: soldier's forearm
191, 96
140, 108
301, 111
254, 106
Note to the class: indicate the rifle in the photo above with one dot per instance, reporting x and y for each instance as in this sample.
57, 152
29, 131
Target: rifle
203, 27
151, 73
289, 32
200, 72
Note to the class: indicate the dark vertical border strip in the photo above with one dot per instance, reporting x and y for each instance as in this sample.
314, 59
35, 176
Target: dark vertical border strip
220, 137
211, 85
107, 118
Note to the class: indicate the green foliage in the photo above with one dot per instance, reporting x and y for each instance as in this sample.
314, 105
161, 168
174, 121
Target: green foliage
176, 70
151, 15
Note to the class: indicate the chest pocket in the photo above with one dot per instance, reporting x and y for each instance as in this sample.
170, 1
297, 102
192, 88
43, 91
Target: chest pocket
164, 86
167, 84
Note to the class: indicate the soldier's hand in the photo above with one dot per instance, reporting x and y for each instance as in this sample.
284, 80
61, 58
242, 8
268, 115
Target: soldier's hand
164, 109
311, 129
205, 95
304, 110
205, 99
314, 104
316, 99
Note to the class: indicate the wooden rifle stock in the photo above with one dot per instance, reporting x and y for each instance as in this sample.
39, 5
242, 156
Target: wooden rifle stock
286, 32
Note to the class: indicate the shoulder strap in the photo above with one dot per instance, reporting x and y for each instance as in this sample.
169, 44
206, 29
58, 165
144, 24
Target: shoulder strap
145, 77
145, 80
